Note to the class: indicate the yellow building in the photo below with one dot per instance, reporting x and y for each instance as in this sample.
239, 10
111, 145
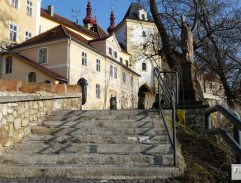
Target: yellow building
67, 52
20, 20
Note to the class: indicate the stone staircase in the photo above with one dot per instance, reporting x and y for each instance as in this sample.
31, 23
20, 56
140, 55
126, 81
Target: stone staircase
93, 145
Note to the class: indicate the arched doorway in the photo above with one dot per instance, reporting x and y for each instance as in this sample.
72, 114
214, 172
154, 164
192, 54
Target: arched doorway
142, 96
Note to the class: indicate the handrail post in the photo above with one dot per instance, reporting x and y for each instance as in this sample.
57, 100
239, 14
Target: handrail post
174, 127
159, 99
237, 137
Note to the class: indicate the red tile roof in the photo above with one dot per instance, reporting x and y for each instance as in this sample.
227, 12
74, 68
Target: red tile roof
38, 66
97, 32
56, 33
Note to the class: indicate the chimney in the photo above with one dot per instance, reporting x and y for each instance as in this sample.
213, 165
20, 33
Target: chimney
51, 10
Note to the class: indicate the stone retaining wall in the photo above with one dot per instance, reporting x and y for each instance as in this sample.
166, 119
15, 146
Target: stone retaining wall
23, 105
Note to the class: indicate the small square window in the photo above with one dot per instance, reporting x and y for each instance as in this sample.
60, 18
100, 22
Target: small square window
28, 35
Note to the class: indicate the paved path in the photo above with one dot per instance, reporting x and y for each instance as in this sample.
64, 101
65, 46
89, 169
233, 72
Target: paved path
83, 181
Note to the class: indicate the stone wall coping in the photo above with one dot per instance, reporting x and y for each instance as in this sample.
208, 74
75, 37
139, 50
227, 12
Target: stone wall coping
13, 99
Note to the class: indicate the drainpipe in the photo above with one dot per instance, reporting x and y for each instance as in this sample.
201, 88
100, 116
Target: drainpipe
68, 59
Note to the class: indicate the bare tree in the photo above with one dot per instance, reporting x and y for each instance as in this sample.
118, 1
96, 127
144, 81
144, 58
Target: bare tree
216, 27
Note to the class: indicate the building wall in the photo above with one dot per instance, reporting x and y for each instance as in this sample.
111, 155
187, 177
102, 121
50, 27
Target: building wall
130, 34
108, 85
9, 14
25, 70
57, 55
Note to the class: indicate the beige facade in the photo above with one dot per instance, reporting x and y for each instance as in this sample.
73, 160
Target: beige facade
74, 60
11, 72
20, 20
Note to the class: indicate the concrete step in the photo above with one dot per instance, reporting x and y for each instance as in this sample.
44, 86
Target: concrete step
109, 112
138, 160
58, 148
98, 131
91, 172
101, 139
101, 117
108, 123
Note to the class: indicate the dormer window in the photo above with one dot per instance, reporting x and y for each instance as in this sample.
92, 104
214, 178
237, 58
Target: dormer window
142, 14
110, 51
115, 55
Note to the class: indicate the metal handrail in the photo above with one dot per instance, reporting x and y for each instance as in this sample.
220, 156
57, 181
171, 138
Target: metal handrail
233, 142
171, 99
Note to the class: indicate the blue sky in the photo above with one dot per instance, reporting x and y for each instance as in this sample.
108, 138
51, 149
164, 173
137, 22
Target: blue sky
102, 8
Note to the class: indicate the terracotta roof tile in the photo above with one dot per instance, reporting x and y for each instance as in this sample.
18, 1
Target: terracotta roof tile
66, 22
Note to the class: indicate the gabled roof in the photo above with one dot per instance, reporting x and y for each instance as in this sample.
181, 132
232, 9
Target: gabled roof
132, 12
38, 66
98, 32
56, 33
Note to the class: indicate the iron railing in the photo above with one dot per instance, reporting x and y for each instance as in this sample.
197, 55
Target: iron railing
171, 98
233, 142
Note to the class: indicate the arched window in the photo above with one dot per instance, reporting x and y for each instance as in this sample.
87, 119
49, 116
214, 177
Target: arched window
144, 34
98, 91
8, 65
144, 66
32, 77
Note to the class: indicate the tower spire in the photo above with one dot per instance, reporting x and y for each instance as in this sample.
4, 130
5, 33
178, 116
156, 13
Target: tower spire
89, 21
112, 22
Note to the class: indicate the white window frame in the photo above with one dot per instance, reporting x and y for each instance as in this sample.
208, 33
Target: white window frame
46, 55
98, 65
13, 5
17, 31
84, 58
98, 91
28, 5
115, 72
110, 51
28, 37
111, 71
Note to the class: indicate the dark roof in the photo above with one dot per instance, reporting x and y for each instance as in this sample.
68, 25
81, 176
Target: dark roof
38, 66
56, 33
132, 12
97, 33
